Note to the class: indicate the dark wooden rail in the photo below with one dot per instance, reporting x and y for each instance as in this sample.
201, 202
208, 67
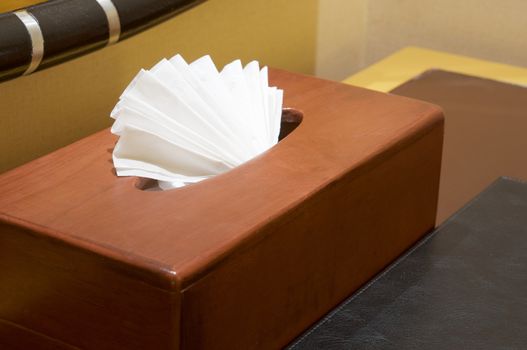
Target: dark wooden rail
49, 33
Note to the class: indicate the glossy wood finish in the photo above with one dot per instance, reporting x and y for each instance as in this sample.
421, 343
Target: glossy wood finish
245, 260
23, 339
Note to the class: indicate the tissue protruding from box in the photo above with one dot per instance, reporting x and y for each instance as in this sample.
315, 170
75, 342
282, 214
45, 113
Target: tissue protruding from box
181, 123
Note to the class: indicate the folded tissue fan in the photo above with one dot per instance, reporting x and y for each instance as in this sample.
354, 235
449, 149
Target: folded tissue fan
181, 123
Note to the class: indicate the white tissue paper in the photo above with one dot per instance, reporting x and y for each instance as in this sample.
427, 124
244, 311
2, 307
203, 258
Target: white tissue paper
181, 123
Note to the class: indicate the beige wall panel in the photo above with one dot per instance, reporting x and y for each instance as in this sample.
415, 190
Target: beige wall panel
57, 106
489, 29
341, 37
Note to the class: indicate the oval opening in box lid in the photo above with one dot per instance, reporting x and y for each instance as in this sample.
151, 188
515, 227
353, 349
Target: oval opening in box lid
291, 119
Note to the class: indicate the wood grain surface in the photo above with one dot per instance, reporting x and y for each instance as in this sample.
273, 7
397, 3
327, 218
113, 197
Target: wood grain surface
245, 260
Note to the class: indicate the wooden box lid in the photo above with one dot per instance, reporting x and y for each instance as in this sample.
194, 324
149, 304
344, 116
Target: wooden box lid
172, 240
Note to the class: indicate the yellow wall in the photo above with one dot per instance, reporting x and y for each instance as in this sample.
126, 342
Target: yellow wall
330, 38
340, 37
488, 29
57, 106
10, 5
365, 31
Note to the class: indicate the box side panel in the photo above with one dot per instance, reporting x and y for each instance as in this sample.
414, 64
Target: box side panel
14, 337
317, 254
78, 298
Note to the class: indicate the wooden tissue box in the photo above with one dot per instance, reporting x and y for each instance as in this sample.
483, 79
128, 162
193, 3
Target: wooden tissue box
246, 260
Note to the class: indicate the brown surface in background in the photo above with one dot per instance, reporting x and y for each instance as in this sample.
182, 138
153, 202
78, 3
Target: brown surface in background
485, 132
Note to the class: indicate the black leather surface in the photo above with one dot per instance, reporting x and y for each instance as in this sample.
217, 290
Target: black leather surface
462, 287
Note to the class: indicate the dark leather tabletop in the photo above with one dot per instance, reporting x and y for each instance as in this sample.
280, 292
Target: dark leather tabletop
464, 286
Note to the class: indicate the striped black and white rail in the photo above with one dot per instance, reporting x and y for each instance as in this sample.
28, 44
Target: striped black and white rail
49, 33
